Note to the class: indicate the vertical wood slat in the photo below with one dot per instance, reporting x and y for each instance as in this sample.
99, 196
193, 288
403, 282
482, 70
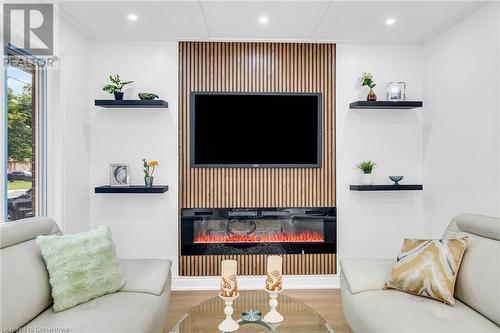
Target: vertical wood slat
240, 67
255, 264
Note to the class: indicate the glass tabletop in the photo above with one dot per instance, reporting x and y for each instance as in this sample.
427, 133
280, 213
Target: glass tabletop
299, 318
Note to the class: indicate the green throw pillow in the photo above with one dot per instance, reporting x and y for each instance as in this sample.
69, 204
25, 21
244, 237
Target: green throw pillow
81, 266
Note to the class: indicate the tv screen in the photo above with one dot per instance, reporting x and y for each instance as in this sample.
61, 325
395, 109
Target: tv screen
255, 129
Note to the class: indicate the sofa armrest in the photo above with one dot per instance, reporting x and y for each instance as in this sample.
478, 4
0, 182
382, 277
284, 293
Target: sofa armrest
146, 275
366, 274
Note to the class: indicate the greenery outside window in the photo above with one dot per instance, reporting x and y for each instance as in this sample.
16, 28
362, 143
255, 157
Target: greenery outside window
25, 133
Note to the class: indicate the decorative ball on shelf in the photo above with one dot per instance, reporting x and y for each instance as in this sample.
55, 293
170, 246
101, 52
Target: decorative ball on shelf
148, 96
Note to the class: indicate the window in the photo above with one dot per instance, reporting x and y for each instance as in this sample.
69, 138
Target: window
25, 146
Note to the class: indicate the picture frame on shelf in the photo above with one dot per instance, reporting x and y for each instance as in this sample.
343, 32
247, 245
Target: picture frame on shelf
119, 175
396, 91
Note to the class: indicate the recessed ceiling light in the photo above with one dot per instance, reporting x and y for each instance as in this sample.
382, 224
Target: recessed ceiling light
390, 21
132, 17
263, 19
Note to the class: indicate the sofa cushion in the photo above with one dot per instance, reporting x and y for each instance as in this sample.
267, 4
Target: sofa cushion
428, 268
480, 225
24, 279
366, 274
146, 275
478, 279
81, 266
117, 312
387, 311
27, 229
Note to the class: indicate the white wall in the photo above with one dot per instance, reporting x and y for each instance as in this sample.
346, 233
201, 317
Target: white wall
373, 224
142, 225
68, 140
461, 120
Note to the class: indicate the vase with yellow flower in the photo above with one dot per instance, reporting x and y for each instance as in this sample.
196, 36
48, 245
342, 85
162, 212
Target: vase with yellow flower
149, 170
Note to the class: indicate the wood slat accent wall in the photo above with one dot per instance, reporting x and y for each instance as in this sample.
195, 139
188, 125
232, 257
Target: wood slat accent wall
257, 67
255, 264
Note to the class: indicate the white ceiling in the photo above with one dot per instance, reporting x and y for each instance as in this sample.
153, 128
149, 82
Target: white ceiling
350, 21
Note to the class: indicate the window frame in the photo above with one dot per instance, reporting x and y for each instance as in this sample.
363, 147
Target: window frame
39, 100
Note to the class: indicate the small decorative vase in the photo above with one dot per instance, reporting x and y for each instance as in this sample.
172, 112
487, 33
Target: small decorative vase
118, 96
367, 179
371, 96
148, 181
396, 179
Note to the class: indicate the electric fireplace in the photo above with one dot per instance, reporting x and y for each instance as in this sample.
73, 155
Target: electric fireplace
258, 231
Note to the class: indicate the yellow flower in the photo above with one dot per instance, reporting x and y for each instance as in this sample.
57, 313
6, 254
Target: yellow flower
153, 163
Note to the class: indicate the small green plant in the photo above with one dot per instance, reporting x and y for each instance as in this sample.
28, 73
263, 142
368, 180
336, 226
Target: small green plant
366, 166
116, 84
367, 80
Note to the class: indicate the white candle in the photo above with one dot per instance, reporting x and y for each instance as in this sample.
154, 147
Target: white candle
274, 273
229, 285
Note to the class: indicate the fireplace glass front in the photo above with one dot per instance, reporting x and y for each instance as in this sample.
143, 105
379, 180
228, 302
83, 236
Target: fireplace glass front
258, 231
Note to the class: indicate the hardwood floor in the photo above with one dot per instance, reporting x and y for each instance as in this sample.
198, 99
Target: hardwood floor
326, 302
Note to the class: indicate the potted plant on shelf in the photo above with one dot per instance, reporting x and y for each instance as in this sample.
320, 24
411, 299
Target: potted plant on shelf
367, 80
367, 167
149, 170
116, 86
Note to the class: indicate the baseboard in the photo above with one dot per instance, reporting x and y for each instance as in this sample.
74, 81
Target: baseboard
182, 283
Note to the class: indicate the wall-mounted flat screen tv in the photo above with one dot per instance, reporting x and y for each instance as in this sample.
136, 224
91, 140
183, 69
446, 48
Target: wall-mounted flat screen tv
255, 130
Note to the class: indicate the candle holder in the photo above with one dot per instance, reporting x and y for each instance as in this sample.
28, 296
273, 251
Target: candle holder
273, 316
228, 324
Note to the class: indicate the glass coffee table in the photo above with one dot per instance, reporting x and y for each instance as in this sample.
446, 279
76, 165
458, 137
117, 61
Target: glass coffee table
299, 318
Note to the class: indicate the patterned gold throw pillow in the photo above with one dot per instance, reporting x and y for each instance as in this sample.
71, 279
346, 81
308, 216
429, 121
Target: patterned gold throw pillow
428, 268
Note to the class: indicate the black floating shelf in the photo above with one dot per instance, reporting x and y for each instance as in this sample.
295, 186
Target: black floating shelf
386, 105
131, 103
132, 189
386, 187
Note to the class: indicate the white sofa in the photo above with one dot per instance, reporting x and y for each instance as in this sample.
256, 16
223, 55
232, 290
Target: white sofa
140, 306
368, 308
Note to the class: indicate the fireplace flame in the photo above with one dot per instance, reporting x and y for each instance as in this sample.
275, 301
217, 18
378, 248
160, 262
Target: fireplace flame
302, 237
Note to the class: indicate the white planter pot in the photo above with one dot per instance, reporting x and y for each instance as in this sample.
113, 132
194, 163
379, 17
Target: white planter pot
367, 179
